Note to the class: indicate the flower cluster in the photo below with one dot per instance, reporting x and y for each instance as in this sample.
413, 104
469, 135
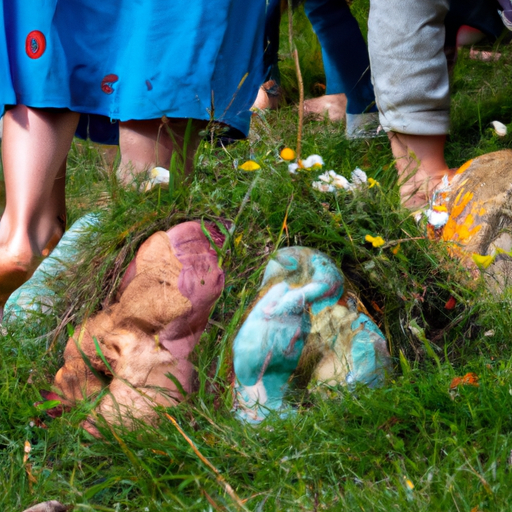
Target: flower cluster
330, 181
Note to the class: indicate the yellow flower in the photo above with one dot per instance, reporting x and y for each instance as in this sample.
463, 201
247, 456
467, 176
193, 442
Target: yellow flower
288, 154
396, 249
373, 183
250, 165
376, 241
238, 239
408, 483
483, 261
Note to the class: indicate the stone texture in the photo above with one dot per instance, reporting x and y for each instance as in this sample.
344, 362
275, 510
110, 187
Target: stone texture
480, 214
162, 308
303, 327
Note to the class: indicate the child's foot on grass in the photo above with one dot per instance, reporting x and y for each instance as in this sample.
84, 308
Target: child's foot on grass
421, 166
20, 257
416, 191
331, 105
15, 269
268, 97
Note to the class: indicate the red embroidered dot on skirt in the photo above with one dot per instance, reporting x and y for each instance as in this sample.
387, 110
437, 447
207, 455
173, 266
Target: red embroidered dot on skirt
35, 44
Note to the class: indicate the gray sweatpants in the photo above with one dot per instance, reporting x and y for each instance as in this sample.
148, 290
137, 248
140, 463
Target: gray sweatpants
409, 70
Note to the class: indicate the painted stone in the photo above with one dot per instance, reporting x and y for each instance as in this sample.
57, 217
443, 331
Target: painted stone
303, 327
478, 201
139, 347
49, 506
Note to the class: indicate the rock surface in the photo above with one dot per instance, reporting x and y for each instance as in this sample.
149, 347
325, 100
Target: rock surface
48, 506
140, 346
479, 203
303, 327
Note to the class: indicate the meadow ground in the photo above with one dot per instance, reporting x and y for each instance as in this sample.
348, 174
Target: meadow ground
413, 445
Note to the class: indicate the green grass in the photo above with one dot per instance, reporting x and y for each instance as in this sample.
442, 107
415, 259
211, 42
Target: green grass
340, 451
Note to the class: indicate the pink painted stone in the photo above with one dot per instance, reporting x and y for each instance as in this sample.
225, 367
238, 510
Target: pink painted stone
148, 334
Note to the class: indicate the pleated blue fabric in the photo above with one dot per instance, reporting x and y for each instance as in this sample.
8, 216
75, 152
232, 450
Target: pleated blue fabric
134, 59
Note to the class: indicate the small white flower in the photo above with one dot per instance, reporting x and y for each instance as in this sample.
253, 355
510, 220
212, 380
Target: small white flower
499, 128
326, 176
323, 187
312, 161
358, 177
292, 168
340, 181
157, 176
332, 178
436, 219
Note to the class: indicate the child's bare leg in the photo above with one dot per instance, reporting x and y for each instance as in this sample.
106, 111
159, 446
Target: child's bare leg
58, 203
35, 146
151, 143
420, 164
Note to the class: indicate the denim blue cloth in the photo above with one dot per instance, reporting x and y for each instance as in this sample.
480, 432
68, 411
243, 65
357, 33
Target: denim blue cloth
344, 52
480, 14
134, 59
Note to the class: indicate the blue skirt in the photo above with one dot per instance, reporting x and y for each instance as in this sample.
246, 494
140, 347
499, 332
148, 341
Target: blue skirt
134, 59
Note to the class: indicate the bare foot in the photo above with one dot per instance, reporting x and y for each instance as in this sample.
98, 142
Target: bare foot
420, 163
417, 191
268, 97
484, 56
89, 426
19, 260
332, 105
15, 269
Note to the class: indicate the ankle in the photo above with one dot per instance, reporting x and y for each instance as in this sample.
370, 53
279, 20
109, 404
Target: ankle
16, 267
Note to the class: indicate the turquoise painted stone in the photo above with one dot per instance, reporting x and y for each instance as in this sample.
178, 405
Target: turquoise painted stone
303, 327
